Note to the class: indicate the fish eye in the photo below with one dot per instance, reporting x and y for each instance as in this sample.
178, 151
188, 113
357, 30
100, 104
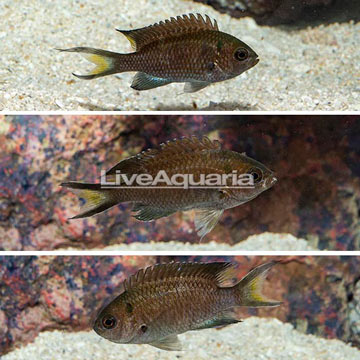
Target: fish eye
256, 175
143, 328
108, 322
241, 54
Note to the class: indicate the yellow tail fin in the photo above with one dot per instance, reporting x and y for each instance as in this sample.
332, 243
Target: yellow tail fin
107, 62
250, 287
94, 197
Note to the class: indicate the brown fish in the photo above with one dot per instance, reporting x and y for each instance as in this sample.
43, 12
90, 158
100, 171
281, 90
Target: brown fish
187, 49
169, 299
184, 156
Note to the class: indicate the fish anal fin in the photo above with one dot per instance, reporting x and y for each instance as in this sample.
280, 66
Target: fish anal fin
169, 343
222, 319
143, 81
165, 29
150, 213
205, 220
194, 86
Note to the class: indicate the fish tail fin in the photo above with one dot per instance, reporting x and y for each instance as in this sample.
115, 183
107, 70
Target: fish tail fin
249, 289
107, 62
95, 198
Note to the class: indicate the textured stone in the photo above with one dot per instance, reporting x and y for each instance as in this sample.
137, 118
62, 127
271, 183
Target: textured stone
274, 12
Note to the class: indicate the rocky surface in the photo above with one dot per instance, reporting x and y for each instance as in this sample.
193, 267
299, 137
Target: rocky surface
255, 338
46, 293
311, 68
274, 12
316, 160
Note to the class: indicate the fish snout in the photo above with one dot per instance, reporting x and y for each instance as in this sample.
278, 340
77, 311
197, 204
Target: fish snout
273, 180
270, 181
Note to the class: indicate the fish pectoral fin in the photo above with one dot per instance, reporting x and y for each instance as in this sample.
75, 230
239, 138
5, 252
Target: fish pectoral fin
194, 86
143, 81
149, 213
205, 220
224, 318
169, 343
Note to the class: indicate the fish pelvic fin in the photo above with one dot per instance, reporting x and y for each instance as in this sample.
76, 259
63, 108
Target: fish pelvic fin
107, 62
96, 199
169, 343
249, 289
205, 220
194, 86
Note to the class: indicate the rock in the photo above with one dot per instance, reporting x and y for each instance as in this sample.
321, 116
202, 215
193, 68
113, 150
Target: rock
269, 12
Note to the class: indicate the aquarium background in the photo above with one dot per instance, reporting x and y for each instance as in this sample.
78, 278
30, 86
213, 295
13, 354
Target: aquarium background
316, 160
320, 294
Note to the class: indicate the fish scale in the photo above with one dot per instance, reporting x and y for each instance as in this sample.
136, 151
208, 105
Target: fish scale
178, 302
170, 299
182, 156
187, 49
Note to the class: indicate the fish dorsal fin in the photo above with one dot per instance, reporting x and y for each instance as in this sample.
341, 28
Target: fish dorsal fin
180, 25
184, 146
222, 273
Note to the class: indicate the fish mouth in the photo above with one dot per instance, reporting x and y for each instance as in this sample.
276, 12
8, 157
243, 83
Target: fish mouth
270, 182
273, 180
255, 61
